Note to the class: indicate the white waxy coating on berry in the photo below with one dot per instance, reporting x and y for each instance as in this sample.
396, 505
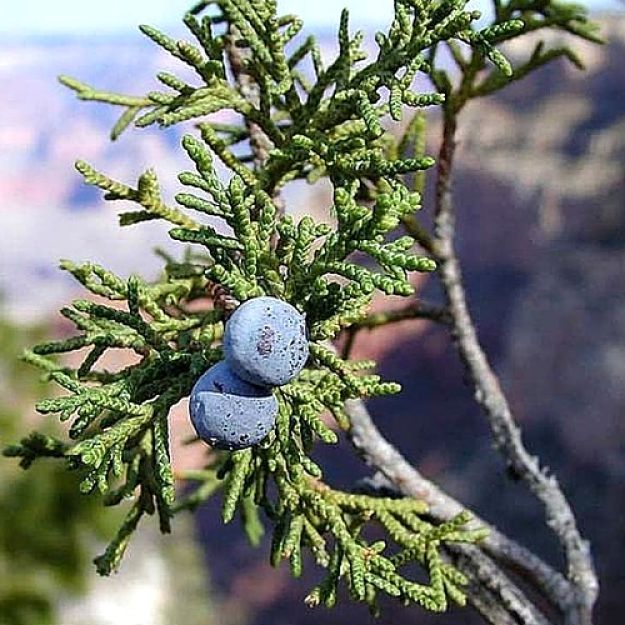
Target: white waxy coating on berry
228, 412
265, 341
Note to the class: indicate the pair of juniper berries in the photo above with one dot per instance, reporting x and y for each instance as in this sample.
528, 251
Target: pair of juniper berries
265, 345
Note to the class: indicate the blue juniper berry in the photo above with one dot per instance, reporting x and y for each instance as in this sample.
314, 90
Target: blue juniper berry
265, 342
228, 412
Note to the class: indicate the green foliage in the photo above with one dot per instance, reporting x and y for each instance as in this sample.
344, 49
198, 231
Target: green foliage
297, 118
38, 561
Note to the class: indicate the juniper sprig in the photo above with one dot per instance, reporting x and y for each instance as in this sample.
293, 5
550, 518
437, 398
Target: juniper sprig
294, 117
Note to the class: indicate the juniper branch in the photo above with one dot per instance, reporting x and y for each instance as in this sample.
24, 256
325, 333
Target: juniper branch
404, 478
489, 394
330, 128
494, 594
413, 310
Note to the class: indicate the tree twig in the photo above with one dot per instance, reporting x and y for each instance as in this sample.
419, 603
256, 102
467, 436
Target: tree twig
413, 310
491, 592
378, 453
419, 233
259, 142
489, 395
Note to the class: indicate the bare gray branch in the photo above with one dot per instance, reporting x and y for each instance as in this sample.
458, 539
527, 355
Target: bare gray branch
489, 395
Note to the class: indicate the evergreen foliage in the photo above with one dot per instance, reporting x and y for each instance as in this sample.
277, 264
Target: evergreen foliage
298, 118
38, 561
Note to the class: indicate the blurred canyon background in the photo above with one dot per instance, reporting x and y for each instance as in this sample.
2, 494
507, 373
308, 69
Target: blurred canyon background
540, 193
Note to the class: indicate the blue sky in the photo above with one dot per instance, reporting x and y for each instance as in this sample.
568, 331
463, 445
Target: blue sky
72, 16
